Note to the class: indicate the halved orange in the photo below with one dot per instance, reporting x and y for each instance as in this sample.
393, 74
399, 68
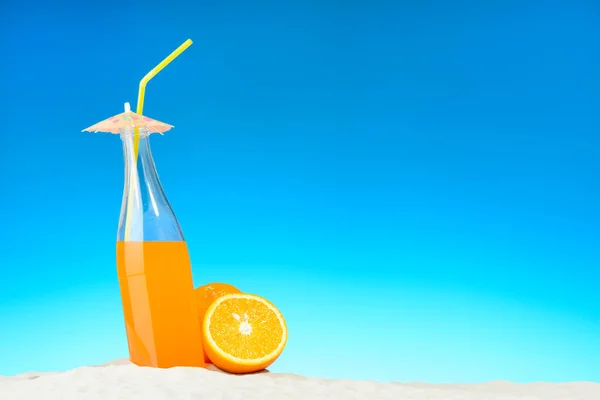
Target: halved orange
205, 295
243, 333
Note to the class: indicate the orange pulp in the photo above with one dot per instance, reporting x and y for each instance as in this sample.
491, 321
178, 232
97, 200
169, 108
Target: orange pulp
159, 304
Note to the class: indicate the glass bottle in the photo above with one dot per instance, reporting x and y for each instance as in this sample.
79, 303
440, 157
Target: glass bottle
154, 268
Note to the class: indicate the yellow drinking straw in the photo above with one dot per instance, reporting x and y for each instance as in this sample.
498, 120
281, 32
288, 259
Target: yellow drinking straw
139, 110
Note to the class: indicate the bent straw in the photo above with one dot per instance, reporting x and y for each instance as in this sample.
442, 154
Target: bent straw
139, 110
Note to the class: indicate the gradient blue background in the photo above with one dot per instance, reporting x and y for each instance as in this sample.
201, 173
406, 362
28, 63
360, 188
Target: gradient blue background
413, 183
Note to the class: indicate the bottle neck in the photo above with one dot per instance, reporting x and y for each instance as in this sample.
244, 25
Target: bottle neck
146, 214
142, 163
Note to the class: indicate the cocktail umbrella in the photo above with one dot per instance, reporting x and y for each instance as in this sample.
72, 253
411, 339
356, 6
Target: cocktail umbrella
129, 119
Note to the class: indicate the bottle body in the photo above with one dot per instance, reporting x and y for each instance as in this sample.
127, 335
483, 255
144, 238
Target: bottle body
154, 269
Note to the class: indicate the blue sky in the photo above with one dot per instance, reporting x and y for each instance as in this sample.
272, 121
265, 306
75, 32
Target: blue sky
414, 184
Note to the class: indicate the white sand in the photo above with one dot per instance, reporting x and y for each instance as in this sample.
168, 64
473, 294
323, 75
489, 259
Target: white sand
122, 380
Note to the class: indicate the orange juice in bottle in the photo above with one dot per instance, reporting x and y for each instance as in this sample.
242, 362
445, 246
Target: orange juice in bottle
154, 269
